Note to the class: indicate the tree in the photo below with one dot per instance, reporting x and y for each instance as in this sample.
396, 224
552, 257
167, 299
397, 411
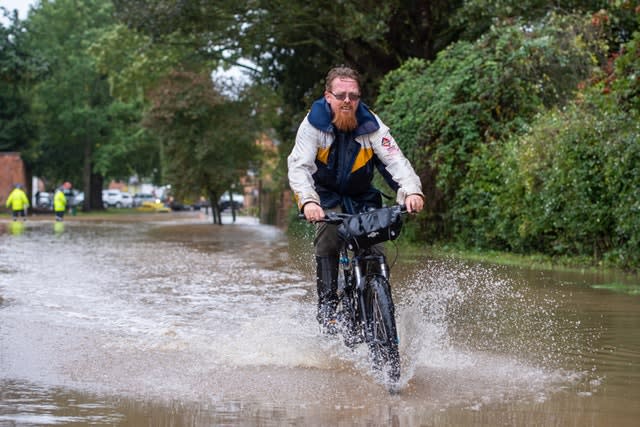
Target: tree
446, 111
208, 140
82, 129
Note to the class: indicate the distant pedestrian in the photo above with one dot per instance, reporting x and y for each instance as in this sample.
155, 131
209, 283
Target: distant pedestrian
18, 202
60, 201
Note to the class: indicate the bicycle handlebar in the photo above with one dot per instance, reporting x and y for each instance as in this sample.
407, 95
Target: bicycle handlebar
338, 217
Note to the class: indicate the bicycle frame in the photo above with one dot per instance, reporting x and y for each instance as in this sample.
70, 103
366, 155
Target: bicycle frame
354, 279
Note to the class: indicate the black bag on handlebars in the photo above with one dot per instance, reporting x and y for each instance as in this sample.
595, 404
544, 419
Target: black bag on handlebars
364, 230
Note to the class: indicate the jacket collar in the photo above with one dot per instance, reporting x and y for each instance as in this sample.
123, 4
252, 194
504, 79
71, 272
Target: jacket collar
320, 118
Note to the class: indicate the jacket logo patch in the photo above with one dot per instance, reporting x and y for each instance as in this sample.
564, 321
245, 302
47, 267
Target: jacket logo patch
389, 145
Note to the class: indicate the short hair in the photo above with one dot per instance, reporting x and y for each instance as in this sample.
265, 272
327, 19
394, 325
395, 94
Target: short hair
341, 72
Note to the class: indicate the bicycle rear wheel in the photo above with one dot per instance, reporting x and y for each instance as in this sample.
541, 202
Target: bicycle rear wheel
382, 336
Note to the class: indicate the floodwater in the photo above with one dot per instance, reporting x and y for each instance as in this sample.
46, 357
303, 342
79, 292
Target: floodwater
178, 322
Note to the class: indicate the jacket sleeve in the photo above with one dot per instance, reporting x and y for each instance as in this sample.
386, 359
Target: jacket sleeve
301, 164
396, 164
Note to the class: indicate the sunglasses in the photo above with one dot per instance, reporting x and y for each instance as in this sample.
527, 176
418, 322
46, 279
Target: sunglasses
342, 96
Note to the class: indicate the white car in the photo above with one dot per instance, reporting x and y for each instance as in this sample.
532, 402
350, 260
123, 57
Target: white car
44, 200
77, 199
117, 199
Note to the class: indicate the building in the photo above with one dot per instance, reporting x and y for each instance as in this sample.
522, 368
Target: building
12, 171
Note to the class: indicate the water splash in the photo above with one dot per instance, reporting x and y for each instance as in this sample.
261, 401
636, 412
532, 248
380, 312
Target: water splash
457, 319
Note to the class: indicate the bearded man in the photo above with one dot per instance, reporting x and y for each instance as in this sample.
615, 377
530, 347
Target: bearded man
339, 145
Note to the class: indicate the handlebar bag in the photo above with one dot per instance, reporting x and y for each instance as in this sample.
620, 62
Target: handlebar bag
364, 230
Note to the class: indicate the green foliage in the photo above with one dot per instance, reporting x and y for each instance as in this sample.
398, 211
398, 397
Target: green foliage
626, 84
444, 113
19, 69
161, 60
134, 64
475, 17
569, 186
128, 140
71, 102
581, 195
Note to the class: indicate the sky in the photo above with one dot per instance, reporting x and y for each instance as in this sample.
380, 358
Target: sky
21, 5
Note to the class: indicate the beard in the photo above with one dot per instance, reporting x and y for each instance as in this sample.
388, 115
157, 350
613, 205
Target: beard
346, 120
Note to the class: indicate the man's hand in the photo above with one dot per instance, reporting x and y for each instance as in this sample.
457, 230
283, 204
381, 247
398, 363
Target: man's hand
414, 203
313, 212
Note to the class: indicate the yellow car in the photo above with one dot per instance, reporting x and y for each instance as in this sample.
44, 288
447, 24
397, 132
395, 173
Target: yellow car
153, 207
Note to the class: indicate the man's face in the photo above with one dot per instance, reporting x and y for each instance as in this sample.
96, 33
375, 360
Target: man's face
344, 111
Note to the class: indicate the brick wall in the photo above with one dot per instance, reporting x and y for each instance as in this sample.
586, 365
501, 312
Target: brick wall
12, 172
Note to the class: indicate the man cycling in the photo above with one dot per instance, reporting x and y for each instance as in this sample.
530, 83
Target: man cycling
338, 146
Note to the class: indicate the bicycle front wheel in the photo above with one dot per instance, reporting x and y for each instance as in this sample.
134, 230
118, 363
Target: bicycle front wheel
382, 335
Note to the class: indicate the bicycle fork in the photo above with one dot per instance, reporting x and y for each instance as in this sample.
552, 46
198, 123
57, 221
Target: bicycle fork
367, 262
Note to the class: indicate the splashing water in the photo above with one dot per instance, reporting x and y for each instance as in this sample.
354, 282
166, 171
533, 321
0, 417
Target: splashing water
459, 321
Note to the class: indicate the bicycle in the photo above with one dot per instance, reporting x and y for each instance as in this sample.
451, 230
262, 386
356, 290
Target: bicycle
366, 312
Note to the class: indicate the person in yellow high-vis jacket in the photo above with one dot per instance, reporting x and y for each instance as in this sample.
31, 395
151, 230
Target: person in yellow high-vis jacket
18, 202
60, 201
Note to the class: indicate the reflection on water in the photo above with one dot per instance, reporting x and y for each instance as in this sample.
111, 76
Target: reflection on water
58, 227
182, 322
16, 228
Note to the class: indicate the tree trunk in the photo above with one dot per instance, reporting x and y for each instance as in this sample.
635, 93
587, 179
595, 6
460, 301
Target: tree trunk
215, 208
233, 206
94, 200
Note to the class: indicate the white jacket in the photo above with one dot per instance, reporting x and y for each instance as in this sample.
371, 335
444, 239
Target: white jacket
312, 142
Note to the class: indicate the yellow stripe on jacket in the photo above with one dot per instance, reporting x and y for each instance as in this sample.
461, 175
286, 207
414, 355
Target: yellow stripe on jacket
323, 155
364, 155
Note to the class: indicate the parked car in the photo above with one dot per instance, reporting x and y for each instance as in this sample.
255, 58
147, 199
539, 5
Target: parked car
140, 198
176, 205
156, 206
117, 199
225, 201
44, 200
201, 204
76, 199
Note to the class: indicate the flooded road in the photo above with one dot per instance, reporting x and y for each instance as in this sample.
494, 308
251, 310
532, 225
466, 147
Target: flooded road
178, 322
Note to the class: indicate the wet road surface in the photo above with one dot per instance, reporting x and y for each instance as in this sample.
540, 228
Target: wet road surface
181, 322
